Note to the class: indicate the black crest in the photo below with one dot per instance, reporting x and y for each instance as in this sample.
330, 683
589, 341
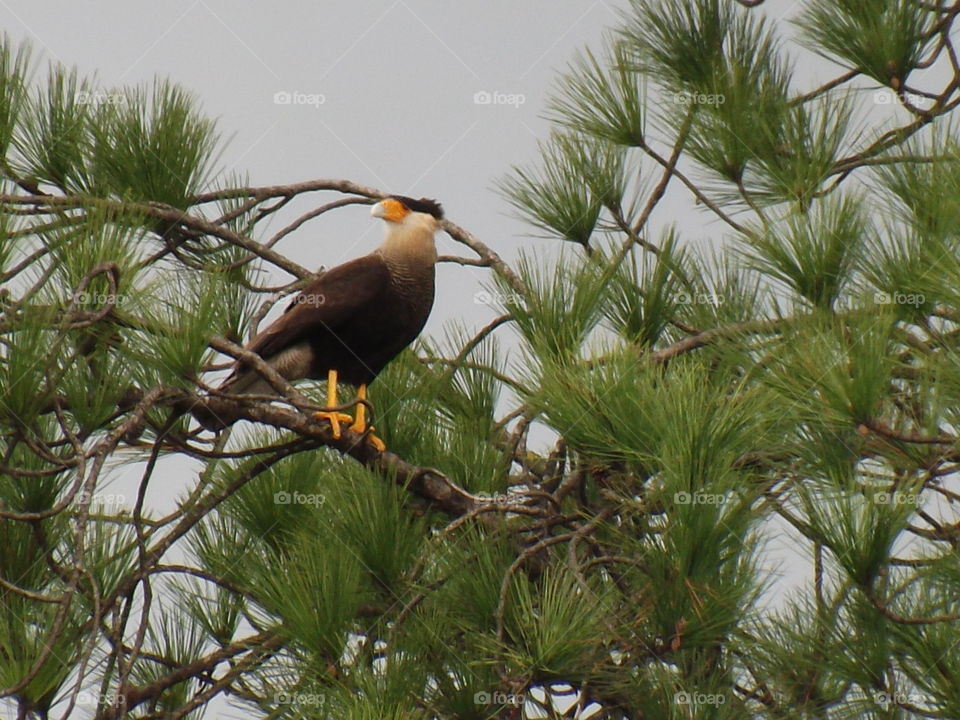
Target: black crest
423, 205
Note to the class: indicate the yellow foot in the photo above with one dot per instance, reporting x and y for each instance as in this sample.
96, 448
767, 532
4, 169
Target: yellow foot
371, 438
360, 424
333, 416
335, 419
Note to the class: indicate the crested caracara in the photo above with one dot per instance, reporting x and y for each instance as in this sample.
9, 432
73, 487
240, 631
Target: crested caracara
354, 318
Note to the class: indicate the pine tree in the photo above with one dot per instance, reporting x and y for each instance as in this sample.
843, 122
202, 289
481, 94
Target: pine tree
582, 503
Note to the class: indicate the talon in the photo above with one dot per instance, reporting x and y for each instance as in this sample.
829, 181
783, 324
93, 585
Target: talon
360, 426
376, 442
335, 419
333, 416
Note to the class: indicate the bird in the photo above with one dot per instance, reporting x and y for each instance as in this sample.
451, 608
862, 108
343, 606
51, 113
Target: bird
353, 319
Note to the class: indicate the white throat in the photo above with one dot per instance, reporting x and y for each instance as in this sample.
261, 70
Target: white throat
410, 242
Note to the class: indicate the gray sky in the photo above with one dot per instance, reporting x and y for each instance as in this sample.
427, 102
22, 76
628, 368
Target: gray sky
388, 95
388, 88
383, 93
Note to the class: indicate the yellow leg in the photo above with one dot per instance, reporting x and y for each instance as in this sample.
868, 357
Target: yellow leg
333, 416
360, 423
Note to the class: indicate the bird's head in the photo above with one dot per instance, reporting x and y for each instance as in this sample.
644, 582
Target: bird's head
410, 225
399, 209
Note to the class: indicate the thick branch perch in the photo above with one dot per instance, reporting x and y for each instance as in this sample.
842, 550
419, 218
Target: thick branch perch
428, 483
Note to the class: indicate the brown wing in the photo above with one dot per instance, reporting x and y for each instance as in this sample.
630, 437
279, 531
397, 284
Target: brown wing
329, 301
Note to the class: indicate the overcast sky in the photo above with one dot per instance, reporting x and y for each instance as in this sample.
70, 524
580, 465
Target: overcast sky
420, 97
384, 93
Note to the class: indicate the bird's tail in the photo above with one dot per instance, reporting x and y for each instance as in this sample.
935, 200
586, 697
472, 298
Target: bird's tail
247, 382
